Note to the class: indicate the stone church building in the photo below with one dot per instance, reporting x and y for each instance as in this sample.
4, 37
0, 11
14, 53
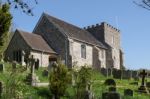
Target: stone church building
97, 45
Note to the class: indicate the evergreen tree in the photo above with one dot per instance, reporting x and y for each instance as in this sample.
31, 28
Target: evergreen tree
5, 23
59, 80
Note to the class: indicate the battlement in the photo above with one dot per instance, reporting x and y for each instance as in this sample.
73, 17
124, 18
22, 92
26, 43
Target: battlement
103, 24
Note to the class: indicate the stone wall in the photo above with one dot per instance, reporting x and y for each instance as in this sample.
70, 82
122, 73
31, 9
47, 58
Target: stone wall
99, 58
111, 36
43, 58
75, 52
16, 43
55, 39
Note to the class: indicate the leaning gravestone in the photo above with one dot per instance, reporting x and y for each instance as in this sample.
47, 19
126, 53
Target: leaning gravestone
1, 67
112, 94
128, 92
143, 88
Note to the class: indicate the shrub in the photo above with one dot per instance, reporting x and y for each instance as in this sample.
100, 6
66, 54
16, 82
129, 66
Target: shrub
58, 80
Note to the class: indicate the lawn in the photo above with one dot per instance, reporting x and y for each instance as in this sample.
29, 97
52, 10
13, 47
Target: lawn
98, 86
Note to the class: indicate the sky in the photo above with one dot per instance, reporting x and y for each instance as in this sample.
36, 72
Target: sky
132, 20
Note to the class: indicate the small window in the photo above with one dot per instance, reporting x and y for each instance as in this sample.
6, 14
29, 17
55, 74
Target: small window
83, 51
17, 55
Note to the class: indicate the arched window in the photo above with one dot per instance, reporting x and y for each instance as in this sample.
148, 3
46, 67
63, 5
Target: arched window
83, 51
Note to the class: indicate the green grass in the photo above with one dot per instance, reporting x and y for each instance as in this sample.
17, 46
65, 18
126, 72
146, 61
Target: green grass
98, 86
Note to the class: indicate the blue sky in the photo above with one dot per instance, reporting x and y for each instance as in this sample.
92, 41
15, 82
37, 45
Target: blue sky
132, 20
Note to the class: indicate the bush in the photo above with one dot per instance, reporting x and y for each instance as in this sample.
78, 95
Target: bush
59, 80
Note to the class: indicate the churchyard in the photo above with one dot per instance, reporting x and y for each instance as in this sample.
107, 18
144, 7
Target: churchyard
15, 81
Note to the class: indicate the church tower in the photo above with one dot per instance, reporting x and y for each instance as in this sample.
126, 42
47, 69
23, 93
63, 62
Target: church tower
110, 36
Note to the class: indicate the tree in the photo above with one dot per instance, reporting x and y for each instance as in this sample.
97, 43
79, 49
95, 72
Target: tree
5, 23
144, 4
58, 80
82, 81
20, 4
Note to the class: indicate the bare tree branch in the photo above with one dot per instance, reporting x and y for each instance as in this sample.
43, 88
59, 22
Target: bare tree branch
143, 3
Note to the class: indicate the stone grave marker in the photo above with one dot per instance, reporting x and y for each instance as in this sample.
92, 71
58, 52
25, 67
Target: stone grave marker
126, 74
104, 71
142, 88
14, 65
110, 82
128, 92
88, 93
117, 74
148, 86
1, 67
111, 94
135, 75
45, 73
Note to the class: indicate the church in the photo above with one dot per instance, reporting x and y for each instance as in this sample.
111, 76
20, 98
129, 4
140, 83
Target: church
97, 46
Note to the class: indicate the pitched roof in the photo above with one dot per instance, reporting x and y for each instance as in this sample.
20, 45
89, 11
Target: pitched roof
36, 42
74, 32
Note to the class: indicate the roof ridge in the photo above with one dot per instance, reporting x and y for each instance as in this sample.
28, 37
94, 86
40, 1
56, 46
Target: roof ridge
74, 31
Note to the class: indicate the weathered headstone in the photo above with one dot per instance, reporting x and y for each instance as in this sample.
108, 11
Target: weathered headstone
37, 64
110, 82
128, 92
126, 74
135, 75
31, 78
148, 86
23, 59
117, 74
88, 93
1, 89
1, 67
111, 94
14, 65
45, 73
104, 71
142, 88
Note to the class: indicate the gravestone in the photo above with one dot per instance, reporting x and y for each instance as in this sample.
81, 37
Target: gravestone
14, 65
142, 88
1, 67
1, 89
126, 74
45, 73
31, 78
88, 93
128, 92
148, 86
23, 58
104, 71
117, 74
135, 75
109, 72
110, 82
112, 94
37, 64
